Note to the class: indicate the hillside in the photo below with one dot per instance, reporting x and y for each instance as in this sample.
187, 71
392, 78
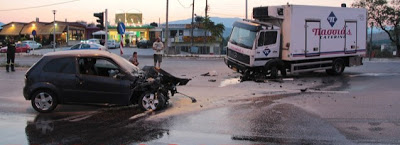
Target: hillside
228, 22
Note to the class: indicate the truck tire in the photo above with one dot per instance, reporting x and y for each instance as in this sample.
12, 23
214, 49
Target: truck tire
271, 70
337, 67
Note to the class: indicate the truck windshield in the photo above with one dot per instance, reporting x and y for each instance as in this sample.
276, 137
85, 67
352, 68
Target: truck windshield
242, 37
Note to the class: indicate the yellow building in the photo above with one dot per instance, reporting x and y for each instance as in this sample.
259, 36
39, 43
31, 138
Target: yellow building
133, 33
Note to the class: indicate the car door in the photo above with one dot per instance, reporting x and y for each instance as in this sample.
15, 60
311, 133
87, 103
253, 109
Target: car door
98, 82
61, 73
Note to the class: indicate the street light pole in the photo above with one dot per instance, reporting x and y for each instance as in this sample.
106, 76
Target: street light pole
54, 31
192, 21
166, 30
246, 9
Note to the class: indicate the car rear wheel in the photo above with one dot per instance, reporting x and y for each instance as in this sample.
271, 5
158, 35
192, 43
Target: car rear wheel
44, 101
27, 51
151, 101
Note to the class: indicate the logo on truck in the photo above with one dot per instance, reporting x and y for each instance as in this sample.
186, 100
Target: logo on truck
332, 19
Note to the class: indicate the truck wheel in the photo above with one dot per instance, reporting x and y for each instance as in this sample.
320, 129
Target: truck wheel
273, 72
44, 101
149, 101
337, 67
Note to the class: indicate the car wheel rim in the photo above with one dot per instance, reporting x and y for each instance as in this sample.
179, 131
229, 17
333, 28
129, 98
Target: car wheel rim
43, 101
149, 102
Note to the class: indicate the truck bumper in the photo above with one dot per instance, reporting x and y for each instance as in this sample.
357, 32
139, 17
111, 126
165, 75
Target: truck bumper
232, 64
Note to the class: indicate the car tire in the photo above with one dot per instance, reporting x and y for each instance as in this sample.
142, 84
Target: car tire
148, 101
44, 101
27, 51
337, 67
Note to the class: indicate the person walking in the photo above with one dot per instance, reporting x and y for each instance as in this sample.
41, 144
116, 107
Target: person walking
134, 59
10, 54
158, 48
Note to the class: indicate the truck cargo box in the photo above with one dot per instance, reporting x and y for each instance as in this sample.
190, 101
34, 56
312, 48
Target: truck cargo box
314, 32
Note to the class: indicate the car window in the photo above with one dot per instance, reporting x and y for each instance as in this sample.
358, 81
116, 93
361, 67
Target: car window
76, 46
85, 46
98, 66
61, 65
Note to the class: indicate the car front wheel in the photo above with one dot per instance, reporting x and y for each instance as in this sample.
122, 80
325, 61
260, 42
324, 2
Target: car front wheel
44, 101
152, 101
27, 51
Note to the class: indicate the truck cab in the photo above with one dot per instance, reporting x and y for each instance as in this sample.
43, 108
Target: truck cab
251, 45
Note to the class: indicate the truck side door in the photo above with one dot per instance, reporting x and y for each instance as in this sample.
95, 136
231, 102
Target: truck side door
351, 37
267, 46
313, 42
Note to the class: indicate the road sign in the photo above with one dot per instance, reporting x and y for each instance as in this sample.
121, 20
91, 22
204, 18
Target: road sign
121, 28
34, 32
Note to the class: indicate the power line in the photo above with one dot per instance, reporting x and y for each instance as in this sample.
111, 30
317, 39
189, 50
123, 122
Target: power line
183, 5
33, 7
225, 14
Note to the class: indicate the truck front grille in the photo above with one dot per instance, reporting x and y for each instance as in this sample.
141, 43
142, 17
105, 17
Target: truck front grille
238, 56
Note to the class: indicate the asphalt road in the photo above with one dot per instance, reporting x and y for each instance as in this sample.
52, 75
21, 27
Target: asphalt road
361, 106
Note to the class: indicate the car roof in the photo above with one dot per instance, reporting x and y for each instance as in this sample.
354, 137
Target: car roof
79, 53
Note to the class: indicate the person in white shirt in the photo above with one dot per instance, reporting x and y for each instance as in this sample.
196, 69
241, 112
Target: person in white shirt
158, 48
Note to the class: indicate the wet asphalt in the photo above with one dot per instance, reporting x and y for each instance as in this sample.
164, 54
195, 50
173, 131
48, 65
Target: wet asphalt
359, 107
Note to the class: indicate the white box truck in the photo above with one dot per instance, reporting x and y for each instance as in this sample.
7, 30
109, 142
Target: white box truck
298, 38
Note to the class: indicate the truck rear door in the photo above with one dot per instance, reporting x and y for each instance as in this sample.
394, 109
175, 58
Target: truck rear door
350, 44
313, 42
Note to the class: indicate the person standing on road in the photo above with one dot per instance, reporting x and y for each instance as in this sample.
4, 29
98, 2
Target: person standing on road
10, 54
134, 59
158, 48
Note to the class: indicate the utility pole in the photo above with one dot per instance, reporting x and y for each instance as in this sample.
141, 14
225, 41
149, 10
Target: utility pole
192, 21
370, 42
246, 9
54, 31
106, 26
166, 31
204, 28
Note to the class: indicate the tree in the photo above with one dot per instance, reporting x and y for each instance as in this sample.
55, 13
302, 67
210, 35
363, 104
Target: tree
385, 15
216, 30
154, 24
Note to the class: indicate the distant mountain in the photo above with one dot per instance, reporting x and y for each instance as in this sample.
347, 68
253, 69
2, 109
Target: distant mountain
228, 22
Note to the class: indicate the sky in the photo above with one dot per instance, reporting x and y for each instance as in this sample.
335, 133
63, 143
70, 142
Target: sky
152, 10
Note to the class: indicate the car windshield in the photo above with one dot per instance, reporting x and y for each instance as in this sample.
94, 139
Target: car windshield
242, 37
126, 64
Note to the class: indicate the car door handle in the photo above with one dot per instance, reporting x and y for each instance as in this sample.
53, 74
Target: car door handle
79, 80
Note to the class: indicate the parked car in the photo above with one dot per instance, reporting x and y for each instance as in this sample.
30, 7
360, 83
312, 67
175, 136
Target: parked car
144, 44
113, 44
97, 41
96, 77
32, 44
88, 46
19, 48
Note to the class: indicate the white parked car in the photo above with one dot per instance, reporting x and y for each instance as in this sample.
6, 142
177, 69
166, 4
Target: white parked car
86, 46
97, 41
113, 44
32, 44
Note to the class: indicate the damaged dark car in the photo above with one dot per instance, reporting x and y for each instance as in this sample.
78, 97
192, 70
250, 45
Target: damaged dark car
96, 77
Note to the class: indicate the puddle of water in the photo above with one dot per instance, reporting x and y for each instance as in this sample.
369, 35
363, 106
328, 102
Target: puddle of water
375, 74
231, 81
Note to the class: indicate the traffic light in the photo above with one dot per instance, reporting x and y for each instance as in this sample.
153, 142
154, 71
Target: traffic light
100, 20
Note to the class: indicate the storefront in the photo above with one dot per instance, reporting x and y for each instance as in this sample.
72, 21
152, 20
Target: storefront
133, 34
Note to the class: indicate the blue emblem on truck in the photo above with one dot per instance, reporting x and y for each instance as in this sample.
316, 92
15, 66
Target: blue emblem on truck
266, 52
332, 19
